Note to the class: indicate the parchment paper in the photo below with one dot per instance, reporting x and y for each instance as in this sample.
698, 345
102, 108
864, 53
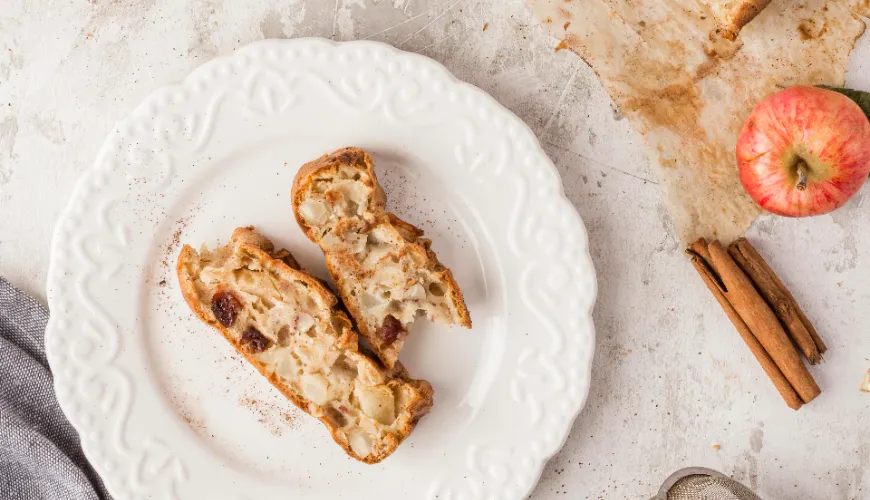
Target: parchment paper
687, 90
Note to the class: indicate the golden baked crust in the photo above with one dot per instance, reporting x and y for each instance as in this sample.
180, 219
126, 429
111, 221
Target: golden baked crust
384, 270
290, 327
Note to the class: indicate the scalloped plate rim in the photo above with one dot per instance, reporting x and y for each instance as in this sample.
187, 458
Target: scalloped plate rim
105, 148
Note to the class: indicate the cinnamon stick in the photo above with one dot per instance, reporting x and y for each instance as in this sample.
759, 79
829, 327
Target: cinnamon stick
767, 364
780, 299
762, 323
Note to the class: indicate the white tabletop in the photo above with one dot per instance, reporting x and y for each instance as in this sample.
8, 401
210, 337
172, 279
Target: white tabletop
671, 378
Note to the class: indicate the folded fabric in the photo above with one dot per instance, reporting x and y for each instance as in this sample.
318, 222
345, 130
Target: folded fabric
40, 454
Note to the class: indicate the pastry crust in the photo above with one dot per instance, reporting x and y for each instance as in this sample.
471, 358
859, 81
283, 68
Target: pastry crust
385, 271
739, 13
290, 327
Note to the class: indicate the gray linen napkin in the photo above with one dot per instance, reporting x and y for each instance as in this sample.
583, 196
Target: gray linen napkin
40, 454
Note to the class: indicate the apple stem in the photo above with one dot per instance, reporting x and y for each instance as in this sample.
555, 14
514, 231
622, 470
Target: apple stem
802, 175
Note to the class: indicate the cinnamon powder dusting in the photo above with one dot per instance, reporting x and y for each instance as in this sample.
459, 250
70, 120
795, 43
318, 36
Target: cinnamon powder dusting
275, 418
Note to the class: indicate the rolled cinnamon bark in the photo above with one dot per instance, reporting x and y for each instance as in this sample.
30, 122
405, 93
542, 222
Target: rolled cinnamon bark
780, 300
740, 294
767, 364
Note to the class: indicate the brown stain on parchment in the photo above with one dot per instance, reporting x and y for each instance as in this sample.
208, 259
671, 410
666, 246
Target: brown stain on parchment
808, 29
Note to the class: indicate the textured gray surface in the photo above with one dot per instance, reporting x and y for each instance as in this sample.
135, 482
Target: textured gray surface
671, 377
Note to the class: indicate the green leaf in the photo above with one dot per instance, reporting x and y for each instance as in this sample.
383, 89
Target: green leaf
862, 99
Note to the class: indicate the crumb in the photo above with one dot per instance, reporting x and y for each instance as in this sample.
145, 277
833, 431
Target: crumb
717, 447
865, 385
561, 46
840, 283
162, 283
90, 35
567, 23
485, 25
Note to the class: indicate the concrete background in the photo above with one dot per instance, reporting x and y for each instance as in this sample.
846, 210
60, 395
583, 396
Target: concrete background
671, 376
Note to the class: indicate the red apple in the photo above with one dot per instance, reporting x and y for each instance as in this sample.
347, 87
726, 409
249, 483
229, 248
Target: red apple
804, 151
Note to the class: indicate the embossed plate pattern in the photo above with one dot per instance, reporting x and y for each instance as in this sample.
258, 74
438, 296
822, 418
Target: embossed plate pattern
164, 407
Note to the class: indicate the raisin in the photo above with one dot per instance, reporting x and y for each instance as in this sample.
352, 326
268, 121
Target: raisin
225, 307
390, 330
253, 341
336, 417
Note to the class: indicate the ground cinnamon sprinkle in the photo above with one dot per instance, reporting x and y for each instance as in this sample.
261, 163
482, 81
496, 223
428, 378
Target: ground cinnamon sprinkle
168, 254
274, 417
195, 423
176, 236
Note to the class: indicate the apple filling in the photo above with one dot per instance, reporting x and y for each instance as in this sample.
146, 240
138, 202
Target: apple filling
400, 285
395, 278
306, 346
346, 194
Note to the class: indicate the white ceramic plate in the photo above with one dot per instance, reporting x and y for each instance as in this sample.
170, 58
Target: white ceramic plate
165, 408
